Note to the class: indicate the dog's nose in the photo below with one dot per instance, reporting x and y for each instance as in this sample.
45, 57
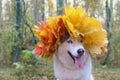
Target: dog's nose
80, 52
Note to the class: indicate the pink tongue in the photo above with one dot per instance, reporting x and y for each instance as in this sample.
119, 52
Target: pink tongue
78, 62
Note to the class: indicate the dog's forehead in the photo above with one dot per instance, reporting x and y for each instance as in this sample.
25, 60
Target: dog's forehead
64, 38
75, 39
67, 37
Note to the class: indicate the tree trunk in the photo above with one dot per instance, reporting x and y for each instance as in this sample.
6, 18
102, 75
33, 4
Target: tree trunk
0, 13
18, 41
60, 7
86, 6
108, 25
36, 13
74, 3
43, 9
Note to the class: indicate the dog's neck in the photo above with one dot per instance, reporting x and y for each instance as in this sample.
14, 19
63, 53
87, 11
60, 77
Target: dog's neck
63, 72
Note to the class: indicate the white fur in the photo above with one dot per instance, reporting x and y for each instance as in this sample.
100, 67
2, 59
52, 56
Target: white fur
64, 68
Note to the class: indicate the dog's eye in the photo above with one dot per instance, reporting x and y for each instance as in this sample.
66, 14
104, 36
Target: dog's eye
69, 41
81, 41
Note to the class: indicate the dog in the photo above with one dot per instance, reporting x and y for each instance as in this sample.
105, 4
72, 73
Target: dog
72, 61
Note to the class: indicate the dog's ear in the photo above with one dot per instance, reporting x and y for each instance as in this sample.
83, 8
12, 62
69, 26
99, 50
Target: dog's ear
80, 38
64, 38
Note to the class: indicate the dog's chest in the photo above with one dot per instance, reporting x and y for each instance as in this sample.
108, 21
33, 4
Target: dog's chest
71, 75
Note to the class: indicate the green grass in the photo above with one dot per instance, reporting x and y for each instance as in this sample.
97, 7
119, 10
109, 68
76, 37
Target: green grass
100, 73
7, 74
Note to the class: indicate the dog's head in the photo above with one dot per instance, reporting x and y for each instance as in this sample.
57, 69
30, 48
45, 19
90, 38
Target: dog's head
72, 53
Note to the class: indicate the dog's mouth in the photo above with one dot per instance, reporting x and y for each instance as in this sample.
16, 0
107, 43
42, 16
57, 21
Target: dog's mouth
77, 60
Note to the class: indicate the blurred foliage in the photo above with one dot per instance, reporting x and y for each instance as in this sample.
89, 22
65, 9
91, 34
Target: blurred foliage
28, 65
32, 66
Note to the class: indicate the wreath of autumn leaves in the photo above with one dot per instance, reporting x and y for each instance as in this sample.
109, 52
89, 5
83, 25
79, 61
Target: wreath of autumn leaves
74, 22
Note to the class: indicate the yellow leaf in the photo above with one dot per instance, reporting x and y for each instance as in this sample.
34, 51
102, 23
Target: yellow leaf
43, 33
70, 28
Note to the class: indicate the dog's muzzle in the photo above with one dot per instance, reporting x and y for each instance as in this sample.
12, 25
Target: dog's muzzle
71, 56
77, 59
80, 52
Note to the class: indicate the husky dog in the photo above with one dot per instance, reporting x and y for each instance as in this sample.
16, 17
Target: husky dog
72, 61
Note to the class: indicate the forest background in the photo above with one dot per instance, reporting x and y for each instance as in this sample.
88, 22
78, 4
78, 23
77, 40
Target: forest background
17, 40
